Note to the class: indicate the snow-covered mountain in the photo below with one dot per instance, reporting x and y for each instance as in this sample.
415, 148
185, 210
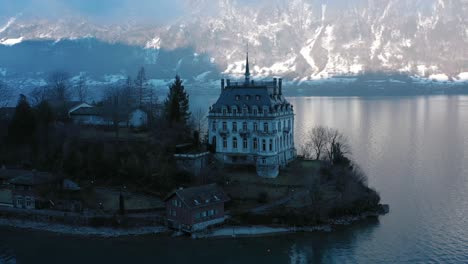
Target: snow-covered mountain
298, 39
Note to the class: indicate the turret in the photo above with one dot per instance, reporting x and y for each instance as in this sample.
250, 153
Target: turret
280, 85
247, 69
275, 86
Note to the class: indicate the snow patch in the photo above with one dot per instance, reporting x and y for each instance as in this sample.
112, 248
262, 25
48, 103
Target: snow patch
8, 24
153, 44
202, 77
11, 41
439, 77
463, 76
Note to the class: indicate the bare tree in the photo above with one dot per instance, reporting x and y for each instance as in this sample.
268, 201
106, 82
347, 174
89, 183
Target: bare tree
199, 117
59, 85
337, 145
39, 94
5, 94
81, 89
317, 139
115, 108
141, 86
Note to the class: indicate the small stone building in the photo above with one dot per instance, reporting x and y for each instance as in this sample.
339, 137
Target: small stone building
196, 208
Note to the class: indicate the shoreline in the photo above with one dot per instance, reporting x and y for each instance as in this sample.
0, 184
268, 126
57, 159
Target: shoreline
238, 231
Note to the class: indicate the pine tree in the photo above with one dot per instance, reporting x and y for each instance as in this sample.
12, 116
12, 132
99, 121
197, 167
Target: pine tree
23, 125
177, 103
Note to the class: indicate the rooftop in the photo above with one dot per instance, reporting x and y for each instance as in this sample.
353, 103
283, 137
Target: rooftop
201, 196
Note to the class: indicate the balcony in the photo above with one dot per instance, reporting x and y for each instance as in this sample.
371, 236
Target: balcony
244, 132
266, 133
224, 132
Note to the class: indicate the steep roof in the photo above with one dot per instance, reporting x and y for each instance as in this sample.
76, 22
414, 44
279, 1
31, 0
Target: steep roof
252, 94
8, 174
201, 196
34, 178
88, 111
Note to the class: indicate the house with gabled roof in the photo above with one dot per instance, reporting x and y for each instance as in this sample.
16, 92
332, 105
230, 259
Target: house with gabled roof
196, 208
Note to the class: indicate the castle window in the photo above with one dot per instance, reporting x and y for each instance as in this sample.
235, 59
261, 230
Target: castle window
289, 124
234, 143
257, 97
245, 111
255, 127
234, 126
265, 127
271, 144
263, 144
255, 143
247, 97
234, 111
224, 142
265, 110
255, 111
244, 143
237, 97
279, 126
224, 111
244, 126
214, 126
224, 126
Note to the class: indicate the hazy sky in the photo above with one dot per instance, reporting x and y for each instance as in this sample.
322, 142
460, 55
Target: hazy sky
117, 11
99, 10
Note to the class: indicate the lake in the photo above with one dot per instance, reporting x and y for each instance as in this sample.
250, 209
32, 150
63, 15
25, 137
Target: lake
415, 152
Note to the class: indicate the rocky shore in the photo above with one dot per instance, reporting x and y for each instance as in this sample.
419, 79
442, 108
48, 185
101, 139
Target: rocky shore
222, 232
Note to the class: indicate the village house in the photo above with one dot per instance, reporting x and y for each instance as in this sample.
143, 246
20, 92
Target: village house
29, 189
253, 124
86, 114
196, 208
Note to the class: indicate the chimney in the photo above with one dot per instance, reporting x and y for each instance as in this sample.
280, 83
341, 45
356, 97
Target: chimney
275, 82
222, 85
280, 85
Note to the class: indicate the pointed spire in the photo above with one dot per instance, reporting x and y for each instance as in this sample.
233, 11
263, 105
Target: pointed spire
247, 67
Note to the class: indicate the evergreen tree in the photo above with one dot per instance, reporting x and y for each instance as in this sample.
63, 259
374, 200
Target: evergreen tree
177, 103
23, 125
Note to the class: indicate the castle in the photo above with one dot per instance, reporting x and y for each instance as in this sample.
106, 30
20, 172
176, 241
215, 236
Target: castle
253, 124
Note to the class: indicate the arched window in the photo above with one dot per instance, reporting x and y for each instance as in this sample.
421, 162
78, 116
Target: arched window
234, 143
244, 126
234, 126
255, 143
244, 143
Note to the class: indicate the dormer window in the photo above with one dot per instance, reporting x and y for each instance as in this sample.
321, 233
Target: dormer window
245, 110
237, 97
257, 97
247, 97
234, 111
224, 111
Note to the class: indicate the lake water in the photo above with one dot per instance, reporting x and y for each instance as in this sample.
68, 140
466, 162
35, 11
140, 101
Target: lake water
415, 152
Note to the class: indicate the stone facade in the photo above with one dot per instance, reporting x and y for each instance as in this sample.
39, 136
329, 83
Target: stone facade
252, 123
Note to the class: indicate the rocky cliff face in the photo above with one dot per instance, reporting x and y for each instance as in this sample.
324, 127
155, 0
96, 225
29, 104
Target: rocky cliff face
299, 39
